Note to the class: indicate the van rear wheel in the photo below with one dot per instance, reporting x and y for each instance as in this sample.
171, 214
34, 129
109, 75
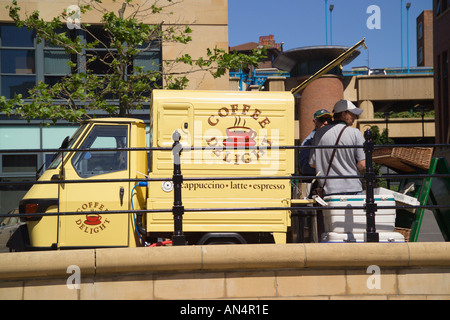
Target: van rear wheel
221, 238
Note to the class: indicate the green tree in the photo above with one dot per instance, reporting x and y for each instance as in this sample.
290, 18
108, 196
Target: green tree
380, 139
124, 38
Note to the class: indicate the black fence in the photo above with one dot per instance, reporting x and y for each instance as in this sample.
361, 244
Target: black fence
178, 210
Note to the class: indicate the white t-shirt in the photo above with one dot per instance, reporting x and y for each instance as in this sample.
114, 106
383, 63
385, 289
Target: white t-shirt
345, 160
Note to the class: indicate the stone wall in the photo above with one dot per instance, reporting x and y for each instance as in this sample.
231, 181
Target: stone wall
292, 271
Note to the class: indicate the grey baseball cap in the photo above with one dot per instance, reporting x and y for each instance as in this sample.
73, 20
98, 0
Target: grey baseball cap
345, 105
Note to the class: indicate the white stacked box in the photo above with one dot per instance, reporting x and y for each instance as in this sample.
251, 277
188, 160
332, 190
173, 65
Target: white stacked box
333, 237
351, 220
400, 199
349, 225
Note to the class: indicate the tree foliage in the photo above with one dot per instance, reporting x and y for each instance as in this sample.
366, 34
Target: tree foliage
123, 86
380, 139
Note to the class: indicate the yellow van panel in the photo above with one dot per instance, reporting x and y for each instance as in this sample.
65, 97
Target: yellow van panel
236, 129
225, 134
220, 221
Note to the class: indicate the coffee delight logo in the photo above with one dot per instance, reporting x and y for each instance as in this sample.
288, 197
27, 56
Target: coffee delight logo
93, 222
246, 139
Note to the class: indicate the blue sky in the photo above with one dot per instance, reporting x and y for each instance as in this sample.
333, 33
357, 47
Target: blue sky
300, 23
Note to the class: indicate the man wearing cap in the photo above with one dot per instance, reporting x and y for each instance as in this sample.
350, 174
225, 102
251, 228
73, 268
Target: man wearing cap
321, 118
347, 161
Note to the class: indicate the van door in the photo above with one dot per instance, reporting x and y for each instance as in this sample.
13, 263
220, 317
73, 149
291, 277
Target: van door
94, 227
175, 117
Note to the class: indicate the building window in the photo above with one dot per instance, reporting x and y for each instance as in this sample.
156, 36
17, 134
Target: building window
55, 61
18, 60
101, 51
420, 55
18, 164
420, 30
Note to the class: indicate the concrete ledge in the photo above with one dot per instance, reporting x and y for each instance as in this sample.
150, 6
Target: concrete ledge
19, 265
234, 257
358, 255
429, 254
136, 260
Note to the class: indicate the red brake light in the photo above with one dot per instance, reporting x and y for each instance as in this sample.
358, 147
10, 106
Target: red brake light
31, 207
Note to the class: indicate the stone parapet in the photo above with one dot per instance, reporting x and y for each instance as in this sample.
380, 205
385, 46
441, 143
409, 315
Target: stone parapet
325, 271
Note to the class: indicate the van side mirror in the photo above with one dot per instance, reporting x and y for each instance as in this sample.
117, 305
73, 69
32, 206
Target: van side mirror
65, 143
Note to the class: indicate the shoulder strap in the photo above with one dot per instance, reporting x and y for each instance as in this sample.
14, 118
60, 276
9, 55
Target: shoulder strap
334, 152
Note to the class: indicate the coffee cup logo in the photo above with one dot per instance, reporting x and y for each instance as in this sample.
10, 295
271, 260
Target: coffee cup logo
93, 219
240, 137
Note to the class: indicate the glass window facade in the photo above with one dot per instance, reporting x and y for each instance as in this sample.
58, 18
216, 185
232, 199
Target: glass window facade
24, 62
19, 137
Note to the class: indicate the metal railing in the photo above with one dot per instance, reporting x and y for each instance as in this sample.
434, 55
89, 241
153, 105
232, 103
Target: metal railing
390, 71
178, 179
257, 77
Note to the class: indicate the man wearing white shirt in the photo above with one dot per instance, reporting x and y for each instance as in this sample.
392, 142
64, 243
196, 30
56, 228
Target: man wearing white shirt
347, 161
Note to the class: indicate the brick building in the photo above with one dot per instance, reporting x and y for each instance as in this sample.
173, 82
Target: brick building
273, 49
425, 39
441, 13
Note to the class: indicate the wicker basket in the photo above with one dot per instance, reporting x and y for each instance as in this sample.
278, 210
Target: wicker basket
404, 232
404, 159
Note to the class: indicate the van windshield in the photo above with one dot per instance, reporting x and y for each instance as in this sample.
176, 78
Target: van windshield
57, 160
